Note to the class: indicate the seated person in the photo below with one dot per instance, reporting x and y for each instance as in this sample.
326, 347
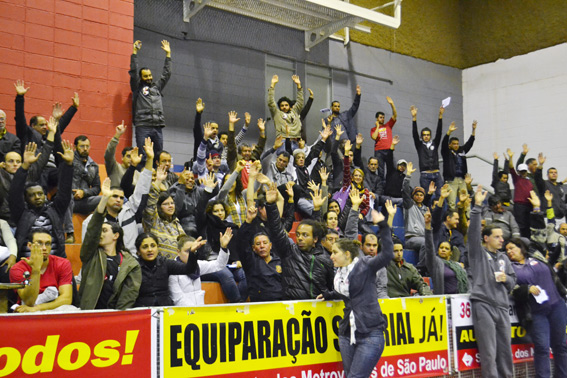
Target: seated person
186, 290
403, 277
51, 280
496, 214
111, 276
8, 251
40, 213
114, 169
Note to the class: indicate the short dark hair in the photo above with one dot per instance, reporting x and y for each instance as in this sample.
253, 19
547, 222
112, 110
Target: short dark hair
520, 244
502, 173
223, 133
331, 231
317, 228
33, 120
378, 114
366, 235
453, 139
494, 200
425, 129
284, 153
396, 240
142, 69
449, 213
158, 155
373, 158
115, 227
125, 150
332, 102
260, 233
530, 160
80, 138
39, 230
550, 168
241, 146
487, 230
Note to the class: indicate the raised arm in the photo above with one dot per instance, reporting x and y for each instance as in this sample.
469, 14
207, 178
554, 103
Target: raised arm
166, 73
394, 112
414, 131
439, 131
278, 236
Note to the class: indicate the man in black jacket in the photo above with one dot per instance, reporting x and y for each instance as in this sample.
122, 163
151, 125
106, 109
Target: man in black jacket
8, 141
455, 162
39, 212
147, 107
307, 269
428, 151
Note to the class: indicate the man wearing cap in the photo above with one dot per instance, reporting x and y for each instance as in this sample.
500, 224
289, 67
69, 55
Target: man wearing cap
428, 151
455, 161
382, 135
522, 188
414, 216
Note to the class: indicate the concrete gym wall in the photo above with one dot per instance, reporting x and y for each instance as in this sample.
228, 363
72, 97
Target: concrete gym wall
519, 100
222, 58
59, 47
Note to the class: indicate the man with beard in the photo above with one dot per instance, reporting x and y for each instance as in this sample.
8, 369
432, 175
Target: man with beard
382, 135
346, 118
51, 276
40, 213
147, 107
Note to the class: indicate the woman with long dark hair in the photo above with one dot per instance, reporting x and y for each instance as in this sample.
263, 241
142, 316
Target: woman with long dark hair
449, 277
537, 280
361, 331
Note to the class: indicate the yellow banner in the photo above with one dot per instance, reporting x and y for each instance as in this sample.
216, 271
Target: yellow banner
232, 339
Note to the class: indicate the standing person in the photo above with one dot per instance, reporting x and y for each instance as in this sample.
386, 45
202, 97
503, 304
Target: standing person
492, 279
286, 117
522, 188
455, 161
361, 330
556, 188
548, 318
346, 118
382, 135
147, 107
500, 180
428, 151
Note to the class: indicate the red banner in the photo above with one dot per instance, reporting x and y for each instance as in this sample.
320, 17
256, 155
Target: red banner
94, 344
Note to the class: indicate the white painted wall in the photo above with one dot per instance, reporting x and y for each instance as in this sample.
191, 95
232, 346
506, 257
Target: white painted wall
518, 100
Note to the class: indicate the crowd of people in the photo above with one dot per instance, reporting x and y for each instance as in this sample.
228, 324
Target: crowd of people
152, 235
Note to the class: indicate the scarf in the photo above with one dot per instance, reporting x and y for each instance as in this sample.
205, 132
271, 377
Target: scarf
461, 274
237, 219
341, 284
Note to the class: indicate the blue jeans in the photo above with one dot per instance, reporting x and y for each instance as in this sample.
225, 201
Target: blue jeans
227, 279
548, 329
154, 133
381, 156
425, 178
360, 359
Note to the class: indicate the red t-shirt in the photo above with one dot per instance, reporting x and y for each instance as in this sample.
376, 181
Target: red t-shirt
384, 139
58, 273
245, 173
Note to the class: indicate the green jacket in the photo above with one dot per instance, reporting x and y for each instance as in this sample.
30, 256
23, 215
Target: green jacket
128, 280
401, 279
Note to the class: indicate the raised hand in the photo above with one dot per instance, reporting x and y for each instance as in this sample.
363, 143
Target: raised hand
432, 187
36, 257
135, 157
21, 89
339, 131
495, 155
525, 149
377, 217
247, 118
29, 154
207, 131
479, 195
210, 181
548, 196
75, 100
253, 170
317, 197
474, 124
199, 242
199, 105
312, 186
137, 46
149, 148
233, 117
410, 169
325, 133
510, 154
67, 154
541, 159
57, 111
468, 179
120, 129
390, 208
52, 124
348, 146
272, 193
275, 80
452, 127
296, 80
165, 47
359, 139
240, 165
310, 92
324, 174
534, 199
389, 99
445, 191
105, 188
355, 198
358, 91
251, 214
225, 238
395, 140
413, 111
289, 188
427, 217
463, 195
441, 111
278, 142
261, 125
